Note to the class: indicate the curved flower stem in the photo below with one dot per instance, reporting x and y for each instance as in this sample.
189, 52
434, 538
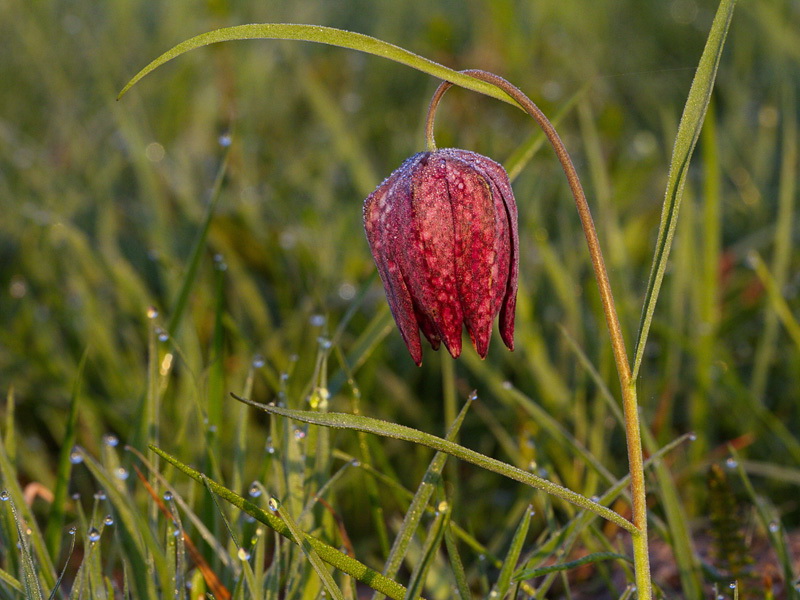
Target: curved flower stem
628, 386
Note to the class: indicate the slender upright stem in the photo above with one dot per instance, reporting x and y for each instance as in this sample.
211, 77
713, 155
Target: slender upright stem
628, 386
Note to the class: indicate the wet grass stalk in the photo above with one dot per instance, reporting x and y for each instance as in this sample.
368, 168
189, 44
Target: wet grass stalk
627, 383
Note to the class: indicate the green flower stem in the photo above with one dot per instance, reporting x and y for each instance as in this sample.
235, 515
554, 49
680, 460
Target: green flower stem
627, 384
401, 432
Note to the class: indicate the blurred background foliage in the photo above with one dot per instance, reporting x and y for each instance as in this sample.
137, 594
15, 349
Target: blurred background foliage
101, 202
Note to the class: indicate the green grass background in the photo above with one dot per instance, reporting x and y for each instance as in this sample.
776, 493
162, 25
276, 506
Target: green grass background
101, 203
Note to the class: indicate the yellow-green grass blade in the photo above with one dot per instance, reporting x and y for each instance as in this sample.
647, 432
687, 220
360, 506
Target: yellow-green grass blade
322, 35
688, 132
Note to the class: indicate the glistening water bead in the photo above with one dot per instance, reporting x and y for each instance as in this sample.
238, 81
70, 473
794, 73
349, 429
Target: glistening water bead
94, 535
75, 456
5, 496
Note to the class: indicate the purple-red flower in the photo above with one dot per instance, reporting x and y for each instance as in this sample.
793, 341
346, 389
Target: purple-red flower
443, 231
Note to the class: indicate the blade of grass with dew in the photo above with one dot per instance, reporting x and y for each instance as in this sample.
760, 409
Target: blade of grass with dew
456, 564
787, 192
504, 579
393, 430
688, 132
419, 502
55, 521
241, 552
429, 551
574, 564
311, 554
141, 547
8, 476
329, 554
322, 35
30, 580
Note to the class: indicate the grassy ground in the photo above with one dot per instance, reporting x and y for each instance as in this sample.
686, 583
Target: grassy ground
203, 236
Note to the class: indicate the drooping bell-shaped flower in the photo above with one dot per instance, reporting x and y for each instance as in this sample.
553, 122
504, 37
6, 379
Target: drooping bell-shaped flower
443, 231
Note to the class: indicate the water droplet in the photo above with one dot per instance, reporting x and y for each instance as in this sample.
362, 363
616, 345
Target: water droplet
76, 496
162, 334
109, 520
595, 499
732, 585
176, 531
243, 554
293, 358
255, 490
774, 527
219, 263
111, 440
121, 473
324, 342
269, 447
473, 396
212, 429
299, 434
152, 312
273, 504
75, 456
258, 361
731, 463
224, 140
168, 496
249, 518
94, 534
317, 320
284, 376
100, 495
72, 530
355, 463
442, 506
507, 385
5, 496
692, 437
481, 557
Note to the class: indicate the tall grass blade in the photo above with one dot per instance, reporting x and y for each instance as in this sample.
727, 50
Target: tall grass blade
400, 432
573, 564
429, 552
504, 579
302, 540
688, 131
419, 502
322, 35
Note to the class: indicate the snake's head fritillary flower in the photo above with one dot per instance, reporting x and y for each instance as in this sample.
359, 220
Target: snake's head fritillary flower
443, 231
